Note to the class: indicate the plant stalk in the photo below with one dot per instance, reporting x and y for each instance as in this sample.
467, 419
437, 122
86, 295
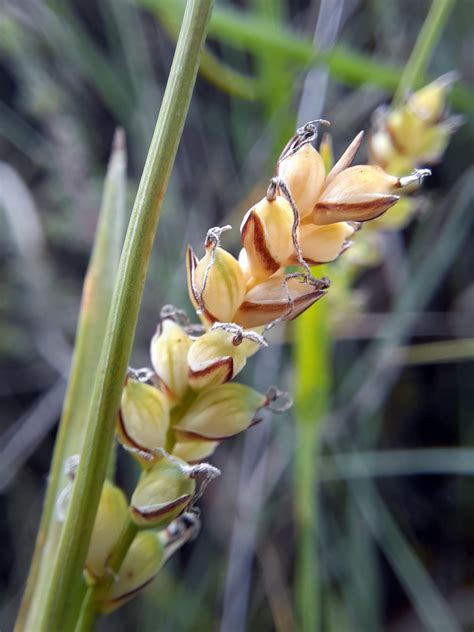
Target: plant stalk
75, 537
427, 39
89, 605
313, 375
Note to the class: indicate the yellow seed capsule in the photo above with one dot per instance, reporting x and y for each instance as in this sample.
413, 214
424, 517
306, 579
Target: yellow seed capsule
270, 300
169, 357
321, 244
217, 357
304, 173
111, 517
220, 412
267, 236
383, 153
356, 194
415, 133
429, 102
143, 420
162, 493
194, 451
224, 288
142, 563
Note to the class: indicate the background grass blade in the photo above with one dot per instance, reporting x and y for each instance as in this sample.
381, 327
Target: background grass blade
312, 353
246, 31
95, 306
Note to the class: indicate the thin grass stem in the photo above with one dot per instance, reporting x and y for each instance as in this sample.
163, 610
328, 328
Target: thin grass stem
313, 385
415, 70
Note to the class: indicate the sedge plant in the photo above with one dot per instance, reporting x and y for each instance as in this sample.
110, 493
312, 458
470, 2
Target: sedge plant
172, 416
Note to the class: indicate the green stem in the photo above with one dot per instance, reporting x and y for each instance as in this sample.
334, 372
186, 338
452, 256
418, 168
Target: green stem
120, 551
75, 537
114, 563
231, 81
427, 39
313, 375
87, 614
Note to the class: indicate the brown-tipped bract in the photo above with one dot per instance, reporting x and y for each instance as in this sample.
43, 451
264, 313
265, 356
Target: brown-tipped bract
169, 357
217, 357
143, 419
162, 493
220, 412
142, 563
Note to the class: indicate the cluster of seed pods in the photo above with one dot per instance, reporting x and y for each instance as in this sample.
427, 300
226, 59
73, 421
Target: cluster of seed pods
174, 415
307, 217
416, 133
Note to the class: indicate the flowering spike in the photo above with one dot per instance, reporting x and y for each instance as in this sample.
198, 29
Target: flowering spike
429, 102
416, 133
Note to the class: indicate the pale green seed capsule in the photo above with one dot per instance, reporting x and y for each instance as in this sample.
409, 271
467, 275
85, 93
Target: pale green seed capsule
143, 420
162, 493
169, 352
111, 517
142, 563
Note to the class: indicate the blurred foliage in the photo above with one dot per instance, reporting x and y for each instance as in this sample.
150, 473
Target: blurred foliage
391, 506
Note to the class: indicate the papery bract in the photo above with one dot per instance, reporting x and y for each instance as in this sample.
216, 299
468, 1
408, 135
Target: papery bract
142, 563
217, 357
143, 419
321, 244
169, 354
224, 288
271, 300
267, 236
304, 173
220, 412
111, 517
162, 493
194, 451
357, 193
